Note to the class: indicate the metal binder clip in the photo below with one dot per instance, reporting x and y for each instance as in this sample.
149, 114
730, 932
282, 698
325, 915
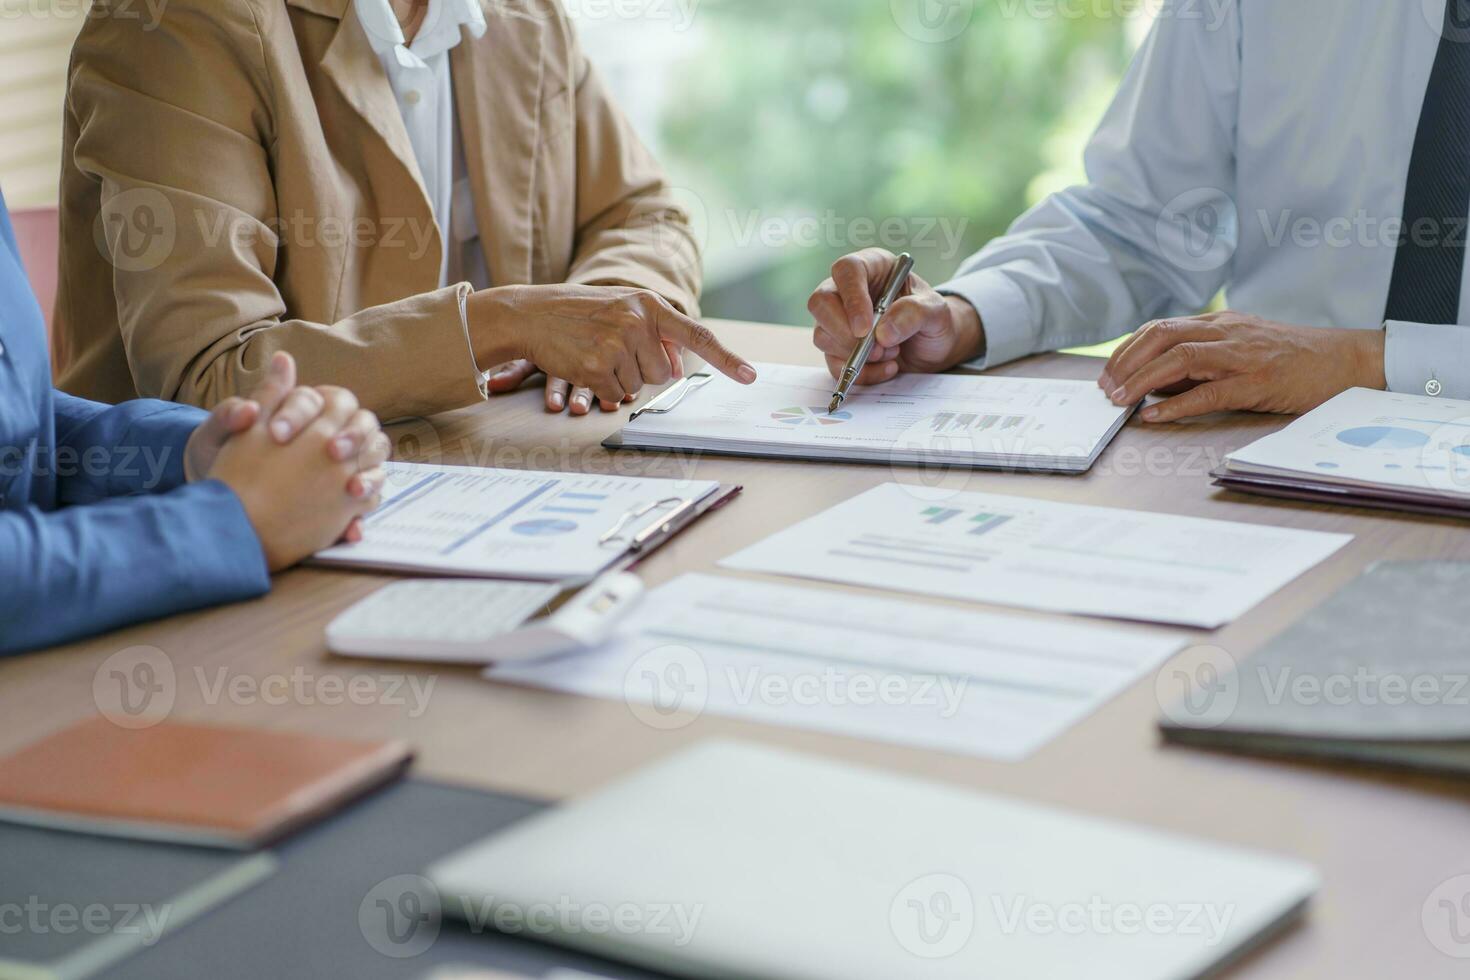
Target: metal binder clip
615, 533
674, 395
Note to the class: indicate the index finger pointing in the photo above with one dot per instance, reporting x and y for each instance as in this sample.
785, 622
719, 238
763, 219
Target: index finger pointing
675, 326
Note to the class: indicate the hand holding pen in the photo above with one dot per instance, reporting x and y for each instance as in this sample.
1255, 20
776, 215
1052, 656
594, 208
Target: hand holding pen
925, 331
898, 278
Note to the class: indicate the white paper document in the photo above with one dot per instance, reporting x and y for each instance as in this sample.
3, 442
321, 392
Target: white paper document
916, 418
1016, 551
1364, 438
496, 523
886, 669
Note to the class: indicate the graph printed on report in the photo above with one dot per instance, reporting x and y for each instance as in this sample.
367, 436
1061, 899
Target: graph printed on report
1042, 554
971, 420
1372, 437
524, 522
1001, 411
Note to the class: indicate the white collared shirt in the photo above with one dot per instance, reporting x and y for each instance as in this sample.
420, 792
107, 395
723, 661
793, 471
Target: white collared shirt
1259, 145
424, 87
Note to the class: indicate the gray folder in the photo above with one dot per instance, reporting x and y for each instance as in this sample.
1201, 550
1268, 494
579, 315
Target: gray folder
72, 905
1377, 674
347, 901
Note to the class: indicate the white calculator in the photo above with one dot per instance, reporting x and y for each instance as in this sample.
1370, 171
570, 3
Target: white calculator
479, 621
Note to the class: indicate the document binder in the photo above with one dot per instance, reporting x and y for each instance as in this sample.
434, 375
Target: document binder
1364, 448
1029, 424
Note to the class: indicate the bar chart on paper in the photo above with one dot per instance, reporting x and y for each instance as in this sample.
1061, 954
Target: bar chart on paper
1018, 551
959, 423
523, 524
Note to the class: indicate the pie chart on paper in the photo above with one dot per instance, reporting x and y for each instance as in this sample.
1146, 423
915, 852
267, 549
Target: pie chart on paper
1390, 437
810, 416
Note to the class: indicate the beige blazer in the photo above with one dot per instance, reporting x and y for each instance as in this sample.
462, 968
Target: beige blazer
237, 180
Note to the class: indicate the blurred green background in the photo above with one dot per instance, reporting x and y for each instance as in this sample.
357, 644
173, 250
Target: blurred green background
800, 131
795, 130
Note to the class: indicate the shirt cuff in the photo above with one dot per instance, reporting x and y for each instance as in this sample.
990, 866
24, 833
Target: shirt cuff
482, 377
1427, 359
1004, 315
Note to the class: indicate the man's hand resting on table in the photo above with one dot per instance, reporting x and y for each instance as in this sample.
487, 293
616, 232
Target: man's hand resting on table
924, 332
1234, 361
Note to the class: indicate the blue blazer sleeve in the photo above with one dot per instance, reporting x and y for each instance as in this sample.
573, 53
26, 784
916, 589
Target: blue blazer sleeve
120, 450
97, 527
82, 570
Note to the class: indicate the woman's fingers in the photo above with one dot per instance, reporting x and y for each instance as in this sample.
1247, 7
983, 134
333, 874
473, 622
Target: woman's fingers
509, 376
280, 380
361, 438
297, 410
367, 483
692, 335
354, 532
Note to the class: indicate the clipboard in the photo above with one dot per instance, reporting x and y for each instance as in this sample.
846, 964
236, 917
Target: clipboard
668, 399
661, 532
472, 522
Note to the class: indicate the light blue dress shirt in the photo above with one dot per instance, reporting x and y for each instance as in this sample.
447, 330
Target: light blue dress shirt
98, 528
1260, 146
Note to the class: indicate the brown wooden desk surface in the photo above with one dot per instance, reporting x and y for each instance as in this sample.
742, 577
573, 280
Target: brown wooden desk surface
1382, 842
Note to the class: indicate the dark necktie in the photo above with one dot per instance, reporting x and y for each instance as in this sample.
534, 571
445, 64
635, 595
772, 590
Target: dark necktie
1430, 259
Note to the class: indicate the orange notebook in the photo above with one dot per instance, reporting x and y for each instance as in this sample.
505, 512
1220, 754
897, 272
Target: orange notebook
189, 784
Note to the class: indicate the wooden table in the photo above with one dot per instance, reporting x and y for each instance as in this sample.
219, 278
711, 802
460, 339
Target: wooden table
1382, 842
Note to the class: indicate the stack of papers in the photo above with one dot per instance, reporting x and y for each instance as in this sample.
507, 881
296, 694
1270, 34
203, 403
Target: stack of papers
1402, 452
1020, 423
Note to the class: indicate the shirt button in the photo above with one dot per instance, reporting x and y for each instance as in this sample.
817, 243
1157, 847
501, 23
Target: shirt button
412, 97
1433, 388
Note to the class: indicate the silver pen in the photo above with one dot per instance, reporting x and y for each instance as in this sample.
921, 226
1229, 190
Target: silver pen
897, 279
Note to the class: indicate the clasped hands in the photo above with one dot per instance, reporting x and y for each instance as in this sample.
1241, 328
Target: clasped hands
1213, 362
305, 462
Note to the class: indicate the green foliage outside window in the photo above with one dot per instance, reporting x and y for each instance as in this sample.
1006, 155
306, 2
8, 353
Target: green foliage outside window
828, 108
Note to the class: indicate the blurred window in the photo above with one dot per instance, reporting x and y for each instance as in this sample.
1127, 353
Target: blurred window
799, 131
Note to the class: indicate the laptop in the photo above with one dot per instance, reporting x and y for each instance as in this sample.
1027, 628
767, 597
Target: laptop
736, 860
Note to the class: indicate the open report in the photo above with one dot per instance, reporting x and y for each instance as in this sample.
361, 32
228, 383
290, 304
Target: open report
887, 669
1023, 423
465, 520
1019, 551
